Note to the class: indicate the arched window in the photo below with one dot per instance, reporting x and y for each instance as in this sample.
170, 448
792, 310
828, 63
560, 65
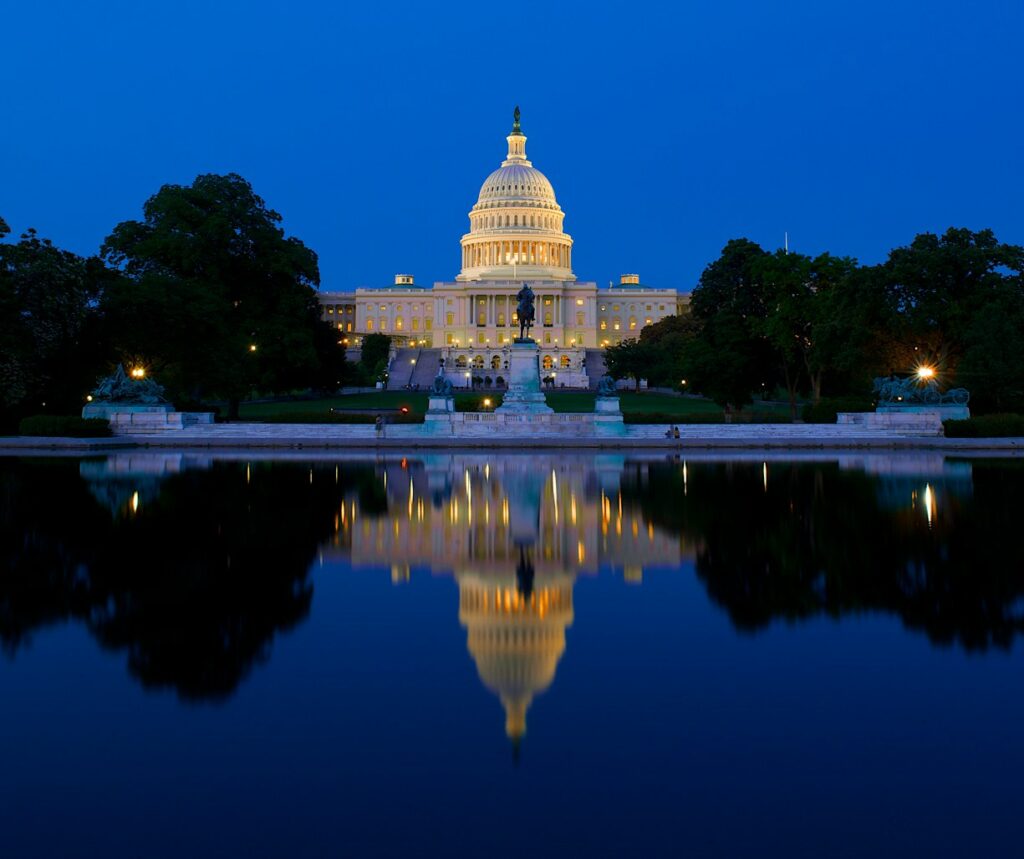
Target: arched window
460, 361
369, 325
398, 323
564, 361
478, 362
496, 362
604, 324
383, 323
616, 323
547, 363
632, 323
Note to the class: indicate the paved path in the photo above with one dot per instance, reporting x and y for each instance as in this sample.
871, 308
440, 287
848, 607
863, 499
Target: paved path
637, 437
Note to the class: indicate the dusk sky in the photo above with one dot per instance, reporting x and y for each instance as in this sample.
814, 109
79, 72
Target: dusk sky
665, 128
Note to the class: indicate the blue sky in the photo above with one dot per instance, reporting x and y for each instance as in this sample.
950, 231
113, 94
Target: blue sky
666, 128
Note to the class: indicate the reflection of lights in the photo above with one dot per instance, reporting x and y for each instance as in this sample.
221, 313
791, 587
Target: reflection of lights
929, 503
572, 507
554, 493
581, 552
764, 472
684, 479
135, 502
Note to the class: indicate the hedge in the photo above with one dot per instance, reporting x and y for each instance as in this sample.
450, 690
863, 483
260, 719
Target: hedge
986, 426
64, 426
704, 418
825, 410
337, 418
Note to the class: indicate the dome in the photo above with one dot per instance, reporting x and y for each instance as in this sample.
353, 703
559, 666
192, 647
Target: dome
515, 228
514, 185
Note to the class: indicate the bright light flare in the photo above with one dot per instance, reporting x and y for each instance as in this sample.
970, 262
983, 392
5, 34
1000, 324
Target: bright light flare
925, 372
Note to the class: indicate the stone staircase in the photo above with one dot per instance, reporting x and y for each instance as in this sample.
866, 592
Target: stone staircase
402, 368
426, 368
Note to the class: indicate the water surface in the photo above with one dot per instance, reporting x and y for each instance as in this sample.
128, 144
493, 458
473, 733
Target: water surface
510, 654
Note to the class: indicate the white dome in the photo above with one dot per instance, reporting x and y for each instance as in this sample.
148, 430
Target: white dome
516, 185
516, 226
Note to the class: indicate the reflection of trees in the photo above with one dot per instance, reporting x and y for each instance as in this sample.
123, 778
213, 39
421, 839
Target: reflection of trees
193, 586
820, 540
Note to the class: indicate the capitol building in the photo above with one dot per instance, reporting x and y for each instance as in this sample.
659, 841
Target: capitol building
516, 235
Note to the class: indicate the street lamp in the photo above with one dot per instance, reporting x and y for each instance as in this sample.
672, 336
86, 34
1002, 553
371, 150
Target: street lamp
138, 372
924, 373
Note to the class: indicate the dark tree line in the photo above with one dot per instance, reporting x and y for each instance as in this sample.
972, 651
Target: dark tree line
206, 290
825, 325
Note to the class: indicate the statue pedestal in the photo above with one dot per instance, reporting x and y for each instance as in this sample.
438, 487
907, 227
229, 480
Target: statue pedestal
105, 409
524, 395
440, 404
607, 406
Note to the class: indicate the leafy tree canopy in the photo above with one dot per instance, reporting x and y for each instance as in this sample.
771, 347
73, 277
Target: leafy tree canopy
214, 296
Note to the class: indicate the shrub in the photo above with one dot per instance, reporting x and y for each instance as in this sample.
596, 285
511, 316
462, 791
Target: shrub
338, 418
68, 426
826, 409
986, 426
704, 418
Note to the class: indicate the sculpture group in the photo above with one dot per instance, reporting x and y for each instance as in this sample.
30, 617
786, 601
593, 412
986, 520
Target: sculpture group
893, 391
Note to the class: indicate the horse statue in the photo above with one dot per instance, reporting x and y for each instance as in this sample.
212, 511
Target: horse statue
525, 311
909, 392
120, 388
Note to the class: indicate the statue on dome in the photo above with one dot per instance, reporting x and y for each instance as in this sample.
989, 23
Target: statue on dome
525, 312
515, 120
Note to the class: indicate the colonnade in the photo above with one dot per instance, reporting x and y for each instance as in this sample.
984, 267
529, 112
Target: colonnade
492, 310
516, 252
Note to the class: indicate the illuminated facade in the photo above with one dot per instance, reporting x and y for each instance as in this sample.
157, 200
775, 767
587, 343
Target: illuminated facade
515, 234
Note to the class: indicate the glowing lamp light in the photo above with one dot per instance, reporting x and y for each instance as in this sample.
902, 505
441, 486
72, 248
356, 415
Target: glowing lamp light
252, 347
88, 398
138, 372
924, 373
404, 410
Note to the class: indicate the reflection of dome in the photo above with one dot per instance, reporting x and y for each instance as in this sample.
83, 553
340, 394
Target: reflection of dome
515, 228
515, 640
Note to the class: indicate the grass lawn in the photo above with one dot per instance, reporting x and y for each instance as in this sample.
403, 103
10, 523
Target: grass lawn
560, 401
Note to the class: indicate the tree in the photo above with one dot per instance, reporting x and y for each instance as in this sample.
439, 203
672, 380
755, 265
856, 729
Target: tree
47, 325
799, 315
333, 370
992, 367
668, 340
214, 294
4, 229
374, 358
629, 359
729, 357
938, 284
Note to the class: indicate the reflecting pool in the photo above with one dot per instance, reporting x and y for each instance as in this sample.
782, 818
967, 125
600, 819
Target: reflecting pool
490, 654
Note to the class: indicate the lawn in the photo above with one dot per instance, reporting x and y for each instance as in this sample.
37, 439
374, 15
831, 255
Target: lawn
560, 401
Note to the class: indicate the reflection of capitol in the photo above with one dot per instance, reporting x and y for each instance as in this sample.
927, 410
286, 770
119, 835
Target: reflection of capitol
515, 534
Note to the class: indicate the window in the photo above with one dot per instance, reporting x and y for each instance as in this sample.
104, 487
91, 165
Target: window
398, 309
547, 302
647, 321
330, 310
564, 362
348, 326
661, 307
501, 338
579, 318
547, 337
478, 362
449, 318
547, 362
632, 323
501, 318
383, 307
579, 302
428, 324
480, 338
616, 323
369, 325
603, 308
547, 317
615, 308
383, 323
460, 361
604, 324
398, 323
648, 307
415, 323
496, 362
449, 339
339, 326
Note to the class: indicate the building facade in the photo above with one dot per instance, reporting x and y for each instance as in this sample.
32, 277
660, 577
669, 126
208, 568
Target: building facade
516, 235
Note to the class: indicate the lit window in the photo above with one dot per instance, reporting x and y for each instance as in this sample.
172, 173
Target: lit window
632, 323
579, 318
383, 323
369, 325
415, 324
579, 302
428, 324
547, 362
604, 324
449, 318
398, 323
565, 362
